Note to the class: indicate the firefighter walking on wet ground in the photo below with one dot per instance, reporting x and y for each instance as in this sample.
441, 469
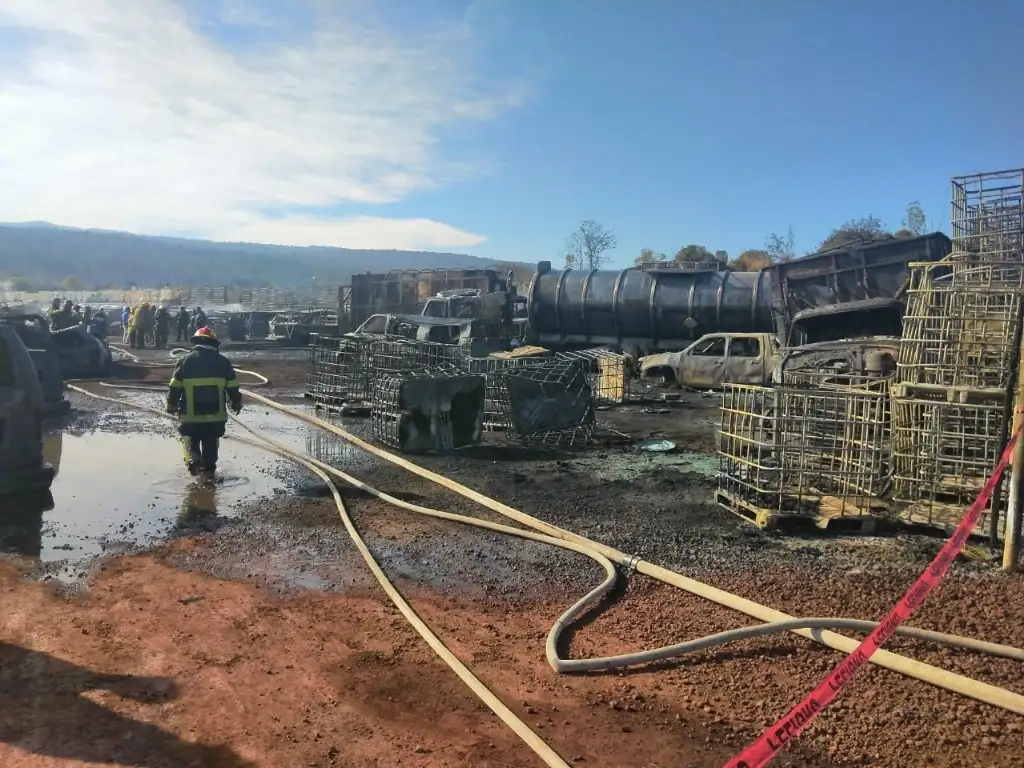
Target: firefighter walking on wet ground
202, 387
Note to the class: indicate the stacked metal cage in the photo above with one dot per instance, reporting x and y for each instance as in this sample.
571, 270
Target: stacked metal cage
987, 216
343, 369
607, 373
340, 371
819, 454
959, 354
438, 408
547, 404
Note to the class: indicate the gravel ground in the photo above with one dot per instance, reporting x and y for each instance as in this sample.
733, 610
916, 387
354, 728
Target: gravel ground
705, 706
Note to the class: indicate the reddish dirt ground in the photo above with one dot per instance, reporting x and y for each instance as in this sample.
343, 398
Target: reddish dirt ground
223, 674
228, 673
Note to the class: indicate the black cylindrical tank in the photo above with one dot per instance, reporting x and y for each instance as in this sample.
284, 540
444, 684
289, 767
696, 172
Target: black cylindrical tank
645, 309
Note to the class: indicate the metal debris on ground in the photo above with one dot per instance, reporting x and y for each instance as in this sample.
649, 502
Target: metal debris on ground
430, 410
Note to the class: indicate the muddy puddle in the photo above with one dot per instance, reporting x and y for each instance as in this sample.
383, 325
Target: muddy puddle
121, 483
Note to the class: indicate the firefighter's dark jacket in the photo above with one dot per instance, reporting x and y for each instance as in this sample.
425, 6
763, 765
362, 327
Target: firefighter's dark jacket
201, 381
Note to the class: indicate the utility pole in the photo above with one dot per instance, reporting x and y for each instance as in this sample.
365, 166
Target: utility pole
1015, 500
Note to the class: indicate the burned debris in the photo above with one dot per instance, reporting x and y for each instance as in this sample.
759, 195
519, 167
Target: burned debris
431, 410
864, 383
423, 396
909, 425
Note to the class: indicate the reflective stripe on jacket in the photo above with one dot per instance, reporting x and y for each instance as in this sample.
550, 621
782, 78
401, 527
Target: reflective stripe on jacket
201, 381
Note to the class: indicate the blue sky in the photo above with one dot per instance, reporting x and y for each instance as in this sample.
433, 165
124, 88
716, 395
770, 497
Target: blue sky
494, 126
719, 122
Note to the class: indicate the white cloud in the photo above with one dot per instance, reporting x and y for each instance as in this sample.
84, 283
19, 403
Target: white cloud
135, 116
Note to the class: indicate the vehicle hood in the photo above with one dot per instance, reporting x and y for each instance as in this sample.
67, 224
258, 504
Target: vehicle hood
660, 360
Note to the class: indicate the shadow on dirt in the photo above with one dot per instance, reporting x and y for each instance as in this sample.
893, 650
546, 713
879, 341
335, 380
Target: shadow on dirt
43, 712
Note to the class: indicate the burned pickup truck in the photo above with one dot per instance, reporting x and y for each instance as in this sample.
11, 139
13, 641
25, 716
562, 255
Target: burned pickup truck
715, 360
843, 340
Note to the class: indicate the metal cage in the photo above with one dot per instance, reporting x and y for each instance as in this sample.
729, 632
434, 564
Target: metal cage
344, 369
434, 409
607, 373
548, 404
820, 453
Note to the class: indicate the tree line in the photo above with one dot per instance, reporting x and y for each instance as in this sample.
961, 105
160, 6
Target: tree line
587, 247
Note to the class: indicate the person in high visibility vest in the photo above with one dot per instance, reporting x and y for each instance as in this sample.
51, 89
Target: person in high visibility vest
202, 386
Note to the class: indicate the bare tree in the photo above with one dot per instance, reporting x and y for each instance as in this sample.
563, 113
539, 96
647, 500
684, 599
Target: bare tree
915, 222
586, 246
781, 247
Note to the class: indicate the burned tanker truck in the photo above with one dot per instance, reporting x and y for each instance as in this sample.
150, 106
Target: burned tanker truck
841, 309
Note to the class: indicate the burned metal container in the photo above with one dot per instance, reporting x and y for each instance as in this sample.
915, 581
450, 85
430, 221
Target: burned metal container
432, 410
548, 404
827, 281
343, 369
643, 311
405, 292
491, 368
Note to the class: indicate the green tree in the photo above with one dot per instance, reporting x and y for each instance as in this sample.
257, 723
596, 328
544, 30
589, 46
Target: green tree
694, 254
585, 248
751, 260
647, 256
70, 283
864, 231
781, 248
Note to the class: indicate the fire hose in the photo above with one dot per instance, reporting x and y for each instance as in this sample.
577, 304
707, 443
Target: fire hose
773, 621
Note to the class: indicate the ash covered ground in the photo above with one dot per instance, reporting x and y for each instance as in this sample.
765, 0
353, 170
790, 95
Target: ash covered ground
283, 651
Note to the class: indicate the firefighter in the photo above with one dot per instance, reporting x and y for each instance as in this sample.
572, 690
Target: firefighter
162, 327
62, 318
139, 325
202, 385
182, 321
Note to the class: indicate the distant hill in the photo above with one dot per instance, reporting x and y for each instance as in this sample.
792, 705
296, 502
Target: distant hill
39, 255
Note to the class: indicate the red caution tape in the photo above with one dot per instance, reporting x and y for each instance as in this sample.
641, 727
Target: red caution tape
773, 740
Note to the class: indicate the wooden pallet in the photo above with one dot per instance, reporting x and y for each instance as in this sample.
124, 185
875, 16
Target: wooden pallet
940, 516
831, 518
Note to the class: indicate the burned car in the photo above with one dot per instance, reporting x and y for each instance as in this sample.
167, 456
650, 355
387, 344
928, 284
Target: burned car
469, 333
715, 360
34, 332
